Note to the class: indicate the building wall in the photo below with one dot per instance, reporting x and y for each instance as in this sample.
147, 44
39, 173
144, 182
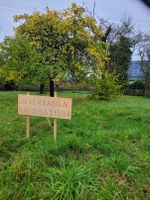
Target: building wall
135, 72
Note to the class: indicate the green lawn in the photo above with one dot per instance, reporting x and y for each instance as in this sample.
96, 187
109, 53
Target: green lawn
103, 153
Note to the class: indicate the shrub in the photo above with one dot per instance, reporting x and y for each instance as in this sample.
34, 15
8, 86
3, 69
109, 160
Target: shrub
139, 85
136, 88
105, 87
10, 85
31, 88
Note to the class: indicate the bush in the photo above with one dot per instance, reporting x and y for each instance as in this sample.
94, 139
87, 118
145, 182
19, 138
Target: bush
137, 85
105, 87
75, 87
10, 85
136, 88
31, 88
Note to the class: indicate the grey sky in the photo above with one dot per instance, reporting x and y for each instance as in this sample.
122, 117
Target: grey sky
112, 10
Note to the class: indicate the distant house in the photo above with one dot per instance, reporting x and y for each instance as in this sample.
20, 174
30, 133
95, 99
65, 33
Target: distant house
135, 72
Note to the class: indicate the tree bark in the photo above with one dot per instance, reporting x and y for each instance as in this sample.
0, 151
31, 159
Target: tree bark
147, 84
42, 88
51, 87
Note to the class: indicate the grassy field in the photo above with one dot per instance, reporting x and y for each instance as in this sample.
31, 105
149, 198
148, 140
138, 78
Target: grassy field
103, 153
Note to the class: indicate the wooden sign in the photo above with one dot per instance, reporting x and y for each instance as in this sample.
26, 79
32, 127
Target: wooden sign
45, 106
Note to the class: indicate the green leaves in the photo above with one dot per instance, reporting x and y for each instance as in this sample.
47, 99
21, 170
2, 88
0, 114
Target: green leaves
105, 86
68, 42
18, 58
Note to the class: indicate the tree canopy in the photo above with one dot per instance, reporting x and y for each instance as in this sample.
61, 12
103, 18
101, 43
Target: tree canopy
66, 42
121, 39
144, 53
17, 59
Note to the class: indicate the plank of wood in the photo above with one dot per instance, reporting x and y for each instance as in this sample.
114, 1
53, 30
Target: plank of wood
27, 124
55, 124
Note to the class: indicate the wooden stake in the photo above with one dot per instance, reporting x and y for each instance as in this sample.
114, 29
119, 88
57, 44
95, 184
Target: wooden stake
49, 122
55, 125
28, 124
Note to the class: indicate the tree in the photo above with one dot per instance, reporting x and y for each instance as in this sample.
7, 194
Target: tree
120, 57
17, 59
42, 31
67, 42
121, 39
144, 52
121, 42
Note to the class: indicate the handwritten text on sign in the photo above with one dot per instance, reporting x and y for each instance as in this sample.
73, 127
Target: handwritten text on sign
44, 106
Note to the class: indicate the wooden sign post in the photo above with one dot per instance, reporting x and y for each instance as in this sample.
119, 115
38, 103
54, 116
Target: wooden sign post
55, 124
44, 106
28, 124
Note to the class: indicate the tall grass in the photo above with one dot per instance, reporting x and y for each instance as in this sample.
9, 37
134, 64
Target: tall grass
102, 153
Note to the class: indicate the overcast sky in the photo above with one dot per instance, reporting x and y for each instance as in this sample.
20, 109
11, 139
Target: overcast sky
112, 10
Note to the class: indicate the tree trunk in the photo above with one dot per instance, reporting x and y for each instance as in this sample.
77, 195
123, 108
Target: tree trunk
51, 87
42, 87
147, 84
